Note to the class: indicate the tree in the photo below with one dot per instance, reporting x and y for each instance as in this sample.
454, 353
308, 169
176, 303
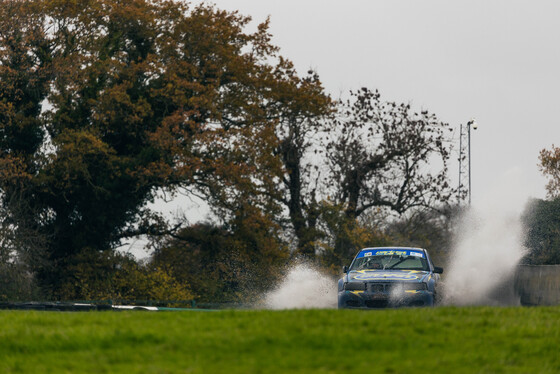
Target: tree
340, 231
108, 101
22, 248
550, 166
541, 219
119, 278
430, 229
300, 122
383, 155
225, 264
25, 69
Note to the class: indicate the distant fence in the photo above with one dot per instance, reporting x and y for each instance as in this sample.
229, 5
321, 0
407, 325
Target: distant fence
538, 284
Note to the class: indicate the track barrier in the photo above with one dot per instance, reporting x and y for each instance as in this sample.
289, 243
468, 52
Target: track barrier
538, 284
120, 305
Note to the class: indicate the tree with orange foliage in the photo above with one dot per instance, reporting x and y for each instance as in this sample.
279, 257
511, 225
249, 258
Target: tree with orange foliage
105, 102
550, 167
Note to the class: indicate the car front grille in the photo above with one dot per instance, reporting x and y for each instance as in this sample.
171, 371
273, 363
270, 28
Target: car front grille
379, 287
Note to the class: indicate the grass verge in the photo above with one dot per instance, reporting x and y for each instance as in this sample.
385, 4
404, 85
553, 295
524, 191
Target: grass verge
442, 340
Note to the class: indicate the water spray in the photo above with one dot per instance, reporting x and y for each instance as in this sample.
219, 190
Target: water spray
489, 246
303, 287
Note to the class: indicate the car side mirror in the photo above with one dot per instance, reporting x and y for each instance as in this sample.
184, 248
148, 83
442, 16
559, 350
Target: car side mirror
438, 270
345, 269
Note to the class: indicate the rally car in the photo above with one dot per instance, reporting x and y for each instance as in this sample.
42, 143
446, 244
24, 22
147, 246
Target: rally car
389, 277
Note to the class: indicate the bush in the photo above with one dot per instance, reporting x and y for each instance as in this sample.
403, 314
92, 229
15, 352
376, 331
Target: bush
114, 276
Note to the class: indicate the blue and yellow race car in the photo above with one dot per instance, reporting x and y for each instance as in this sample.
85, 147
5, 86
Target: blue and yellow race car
389, 277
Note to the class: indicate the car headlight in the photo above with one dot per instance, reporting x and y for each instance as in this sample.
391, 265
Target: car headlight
421, 286
355, 286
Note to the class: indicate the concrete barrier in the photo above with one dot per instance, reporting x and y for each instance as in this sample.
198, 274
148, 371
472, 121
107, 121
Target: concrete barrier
538, 284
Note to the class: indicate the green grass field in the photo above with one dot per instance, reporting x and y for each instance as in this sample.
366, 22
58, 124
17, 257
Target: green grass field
441, 340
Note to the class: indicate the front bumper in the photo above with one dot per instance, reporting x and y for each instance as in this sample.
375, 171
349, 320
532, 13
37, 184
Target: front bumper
375, 300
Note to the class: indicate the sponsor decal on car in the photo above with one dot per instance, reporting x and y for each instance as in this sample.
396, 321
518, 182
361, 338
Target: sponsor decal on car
369, 275
386, 252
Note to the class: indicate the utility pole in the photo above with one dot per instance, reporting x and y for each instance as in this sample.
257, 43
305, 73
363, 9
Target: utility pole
465, 157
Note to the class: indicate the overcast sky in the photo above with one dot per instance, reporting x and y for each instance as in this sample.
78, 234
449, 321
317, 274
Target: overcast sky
497, 61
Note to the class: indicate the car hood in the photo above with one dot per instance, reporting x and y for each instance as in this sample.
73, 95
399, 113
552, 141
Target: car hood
387, 275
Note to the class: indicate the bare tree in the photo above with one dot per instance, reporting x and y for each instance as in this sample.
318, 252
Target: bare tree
381, 154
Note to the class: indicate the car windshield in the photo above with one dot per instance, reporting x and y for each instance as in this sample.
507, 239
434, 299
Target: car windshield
390, 262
